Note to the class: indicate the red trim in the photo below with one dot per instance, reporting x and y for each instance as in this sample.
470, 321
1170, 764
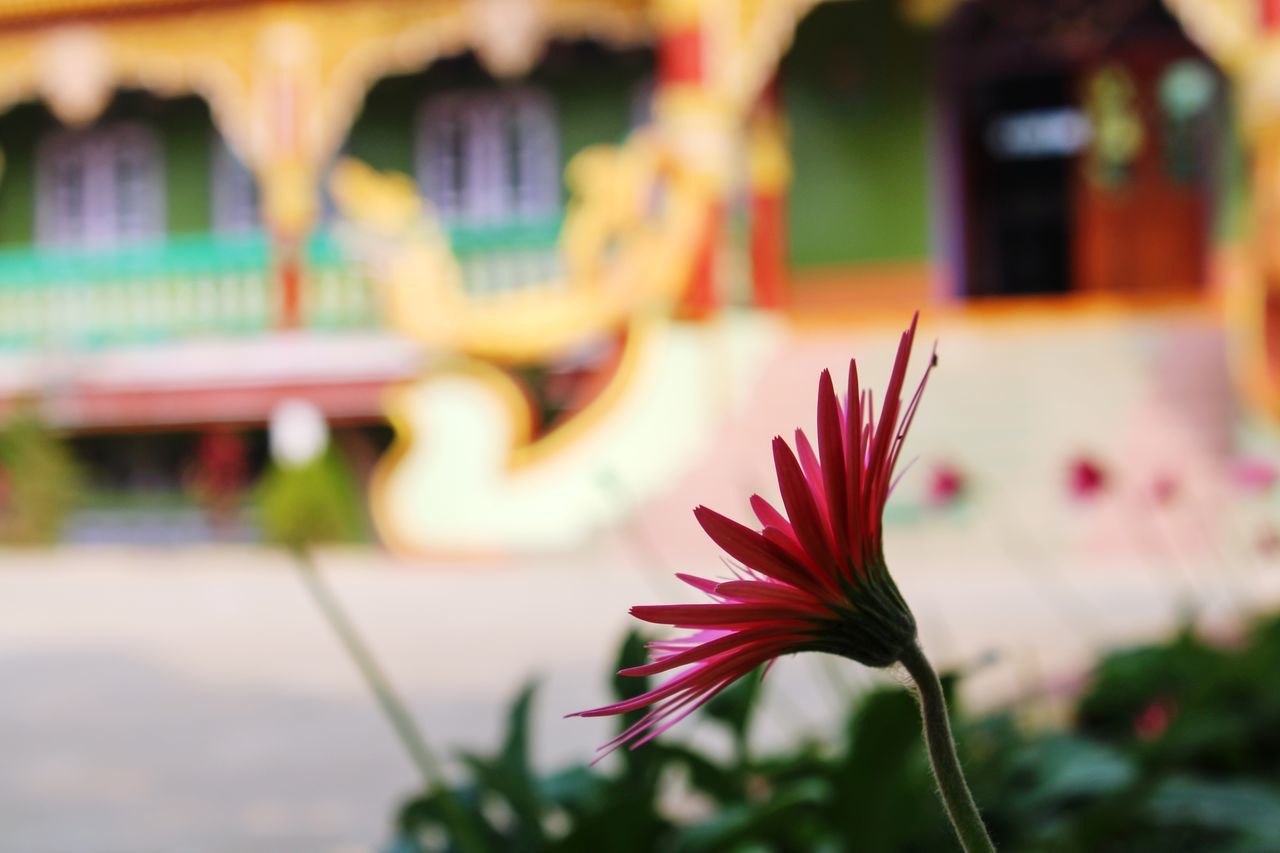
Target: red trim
768, 249
96, 408
680, 64
680, 57
769, 219
700, 297
1269, 15
289, 275
771, 95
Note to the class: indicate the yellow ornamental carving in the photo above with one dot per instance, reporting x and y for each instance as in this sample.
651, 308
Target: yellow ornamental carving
1233, 33
466, 473
466, 476
635, 219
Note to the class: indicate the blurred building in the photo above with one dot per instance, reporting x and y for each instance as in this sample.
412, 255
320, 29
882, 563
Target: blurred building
178, 254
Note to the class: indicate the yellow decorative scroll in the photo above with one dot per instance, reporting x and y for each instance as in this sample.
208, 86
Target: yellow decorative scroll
284, 80
634, 221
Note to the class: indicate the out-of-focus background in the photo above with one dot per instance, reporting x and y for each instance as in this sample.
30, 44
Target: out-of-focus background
481, 297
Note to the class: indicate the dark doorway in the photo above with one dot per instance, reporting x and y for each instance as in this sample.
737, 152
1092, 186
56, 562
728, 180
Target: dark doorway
1019, 177
1083, 139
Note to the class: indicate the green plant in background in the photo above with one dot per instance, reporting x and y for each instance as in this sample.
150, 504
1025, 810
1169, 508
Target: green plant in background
1201, 772
313, 502
40, 481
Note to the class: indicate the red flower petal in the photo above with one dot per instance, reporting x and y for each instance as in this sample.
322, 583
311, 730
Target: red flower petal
753, 550
709, 615
831, 450
801, 510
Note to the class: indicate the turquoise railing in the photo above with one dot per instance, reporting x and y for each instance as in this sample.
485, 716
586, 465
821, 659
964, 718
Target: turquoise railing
500, 259
189, 286
215, 285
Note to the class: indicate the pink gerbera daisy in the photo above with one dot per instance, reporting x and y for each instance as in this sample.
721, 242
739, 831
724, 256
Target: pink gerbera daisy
812, 579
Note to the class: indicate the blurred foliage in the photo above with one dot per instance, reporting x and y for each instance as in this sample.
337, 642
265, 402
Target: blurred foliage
1174, 747
40, 481
312, 503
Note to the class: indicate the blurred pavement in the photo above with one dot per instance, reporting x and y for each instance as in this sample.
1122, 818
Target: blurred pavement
194, 700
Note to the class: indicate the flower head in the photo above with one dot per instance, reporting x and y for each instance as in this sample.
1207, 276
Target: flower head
1086, 478
812, 579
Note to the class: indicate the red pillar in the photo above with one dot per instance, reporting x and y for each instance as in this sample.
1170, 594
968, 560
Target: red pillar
681, 66
289, 286
700, 297
769, 177
768, 249
1269, 15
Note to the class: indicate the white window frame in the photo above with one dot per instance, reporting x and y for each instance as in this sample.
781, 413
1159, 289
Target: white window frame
491, 132
237, 207
643, 98
96, 218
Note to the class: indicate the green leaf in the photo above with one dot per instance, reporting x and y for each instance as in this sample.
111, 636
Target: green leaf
510, 775
577, 789
420, 816
515, 749
633, 652
1243, 808
643, 762
1063, 768
725, 784
785, 821
733, 707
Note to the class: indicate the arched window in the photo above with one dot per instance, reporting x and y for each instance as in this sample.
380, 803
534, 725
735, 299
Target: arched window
643, 95
489, 158
236, 204
447, 155
99, 187
532, 148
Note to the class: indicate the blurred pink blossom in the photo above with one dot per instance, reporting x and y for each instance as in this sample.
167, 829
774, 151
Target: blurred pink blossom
1165, 488
1086, 478
1269, 542
1254, 475
946, 485
1154, 720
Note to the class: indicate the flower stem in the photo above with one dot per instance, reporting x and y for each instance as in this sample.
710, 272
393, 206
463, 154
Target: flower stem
952, 787
392, 705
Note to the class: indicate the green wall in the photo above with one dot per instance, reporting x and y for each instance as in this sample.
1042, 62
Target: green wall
382, 136
855, 89
20, 128
594, 107
187, 131
592, 90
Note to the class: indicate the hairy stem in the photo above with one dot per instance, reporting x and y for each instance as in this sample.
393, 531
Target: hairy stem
952, 787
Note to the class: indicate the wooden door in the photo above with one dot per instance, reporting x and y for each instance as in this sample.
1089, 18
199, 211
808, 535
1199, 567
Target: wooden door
1141, 193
